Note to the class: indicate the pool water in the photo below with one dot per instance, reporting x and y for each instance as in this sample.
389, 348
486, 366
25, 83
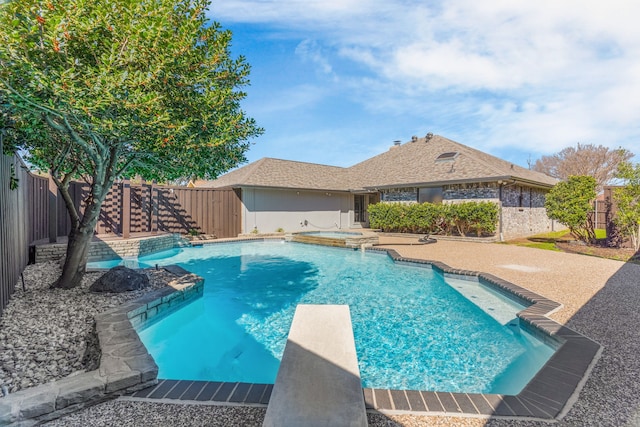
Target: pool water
412, 329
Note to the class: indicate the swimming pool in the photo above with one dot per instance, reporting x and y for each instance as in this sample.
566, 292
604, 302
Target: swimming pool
412, 329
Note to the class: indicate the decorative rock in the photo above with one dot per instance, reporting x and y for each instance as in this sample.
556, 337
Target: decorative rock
37, 323
120, 279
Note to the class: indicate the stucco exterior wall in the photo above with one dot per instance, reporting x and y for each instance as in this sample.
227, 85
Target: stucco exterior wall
267, 210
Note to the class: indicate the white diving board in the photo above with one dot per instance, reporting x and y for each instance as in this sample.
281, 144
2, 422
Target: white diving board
318, 383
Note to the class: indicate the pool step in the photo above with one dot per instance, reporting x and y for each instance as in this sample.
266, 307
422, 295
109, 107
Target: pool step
318, 383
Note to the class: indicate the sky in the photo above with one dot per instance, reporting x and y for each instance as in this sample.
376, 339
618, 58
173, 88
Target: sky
338, 81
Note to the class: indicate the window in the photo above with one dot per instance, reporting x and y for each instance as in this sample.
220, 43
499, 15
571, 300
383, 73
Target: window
430, 194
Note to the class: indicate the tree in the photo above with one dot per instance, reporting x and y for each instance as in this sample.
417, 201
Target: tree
596, 161
99, 90
570, 203
627, 199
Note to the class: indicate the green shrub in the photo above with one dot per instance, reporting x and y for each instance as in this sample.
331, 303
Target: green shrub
570, 202
428, 218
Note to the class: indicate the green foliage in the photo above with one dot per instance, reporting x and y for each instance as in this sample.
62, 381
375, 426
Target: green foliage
145, 88
479, 217
13, 179
97, 90
627, 199
462, 218
570, 203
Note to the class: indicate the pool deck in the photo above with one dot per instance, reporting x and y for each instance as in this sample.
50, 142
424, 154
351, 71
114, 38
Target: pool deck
599, 297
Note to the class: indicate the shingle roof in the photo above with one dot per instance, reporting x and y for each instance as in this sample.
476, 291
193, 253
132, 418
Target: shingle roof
276, 173
414, 163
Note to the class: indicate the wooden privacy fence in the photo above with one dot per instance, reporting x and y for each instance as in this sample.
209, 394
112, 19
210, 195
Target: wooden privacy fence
22, 220
34, 210
147, 207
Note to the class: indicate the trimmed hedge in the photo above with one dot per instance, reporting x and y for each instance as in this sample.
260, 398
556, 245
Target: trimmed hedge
479, 218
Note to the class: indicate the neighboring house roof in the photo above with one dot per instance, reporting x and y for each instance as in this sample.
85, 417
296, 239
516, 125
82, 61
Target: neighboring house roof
433, 160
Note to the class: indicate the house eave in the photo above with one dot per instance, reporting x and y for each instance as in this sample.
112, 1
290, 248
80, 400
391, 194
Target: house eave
507, 179
273, 187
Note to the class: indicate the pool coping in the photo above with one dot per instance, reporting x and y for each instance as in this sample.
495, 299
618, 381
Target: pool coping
548, 396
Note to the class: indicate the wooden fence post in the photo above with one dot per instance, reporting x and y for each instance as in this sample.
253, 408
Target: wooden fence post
126, 209
154, 207
53, 211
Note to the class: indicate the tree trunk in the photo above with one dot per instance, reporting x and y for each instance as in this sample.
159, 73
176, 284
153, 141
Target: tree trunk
80, 237
75, 262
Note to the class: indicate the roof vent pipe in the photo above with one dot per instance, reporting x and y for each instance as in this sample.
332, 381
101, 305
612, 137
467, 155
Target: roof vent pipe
396, 144
428, 137
414, 138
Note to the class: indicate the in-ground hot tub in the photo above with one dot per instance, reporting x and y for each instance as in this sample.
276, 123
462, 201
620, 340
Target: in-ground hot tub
343, 239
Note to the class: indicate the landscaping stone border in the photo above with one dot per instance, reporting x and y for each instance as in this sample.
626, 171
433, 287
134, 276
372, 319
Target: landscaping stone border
125, 365
101, 250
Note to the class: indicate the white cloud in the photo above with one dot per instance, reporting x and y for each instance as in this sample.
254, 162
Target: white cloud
310, 50
546, 74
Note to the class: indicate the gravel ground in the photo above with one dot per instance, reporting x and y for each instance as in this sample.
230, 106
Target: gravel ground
601, 299
47, 334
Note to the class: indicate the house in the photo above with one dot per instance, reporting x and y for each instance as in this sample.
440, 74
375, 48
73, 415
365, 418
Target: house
295, 196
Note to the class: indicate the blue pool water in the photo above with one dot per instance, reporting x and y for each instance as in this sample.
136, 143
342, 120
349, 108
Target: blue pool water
413, 329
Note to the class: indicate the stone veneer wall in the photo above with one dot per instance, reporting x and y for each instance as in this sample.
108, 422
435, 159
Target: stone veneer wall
471, 191
405, 195
523, 211
524, 214
113, 249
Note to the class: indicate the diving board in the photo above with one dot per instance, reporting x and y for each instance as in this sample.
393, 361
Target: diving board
318, 382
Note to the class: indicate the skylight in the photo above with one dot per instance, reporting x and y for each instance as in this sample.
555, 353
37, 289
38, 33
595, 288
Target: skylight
448, 156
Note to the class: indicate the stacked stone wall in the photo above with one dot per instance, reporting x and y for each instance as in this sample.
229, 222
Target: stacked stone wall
111, 249
522, 222
471, 191
405, 195
523, 211
523, 197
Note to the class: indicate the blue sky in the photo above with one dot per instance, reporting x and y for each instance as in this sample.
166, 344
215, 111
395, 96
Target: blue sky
337, 81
